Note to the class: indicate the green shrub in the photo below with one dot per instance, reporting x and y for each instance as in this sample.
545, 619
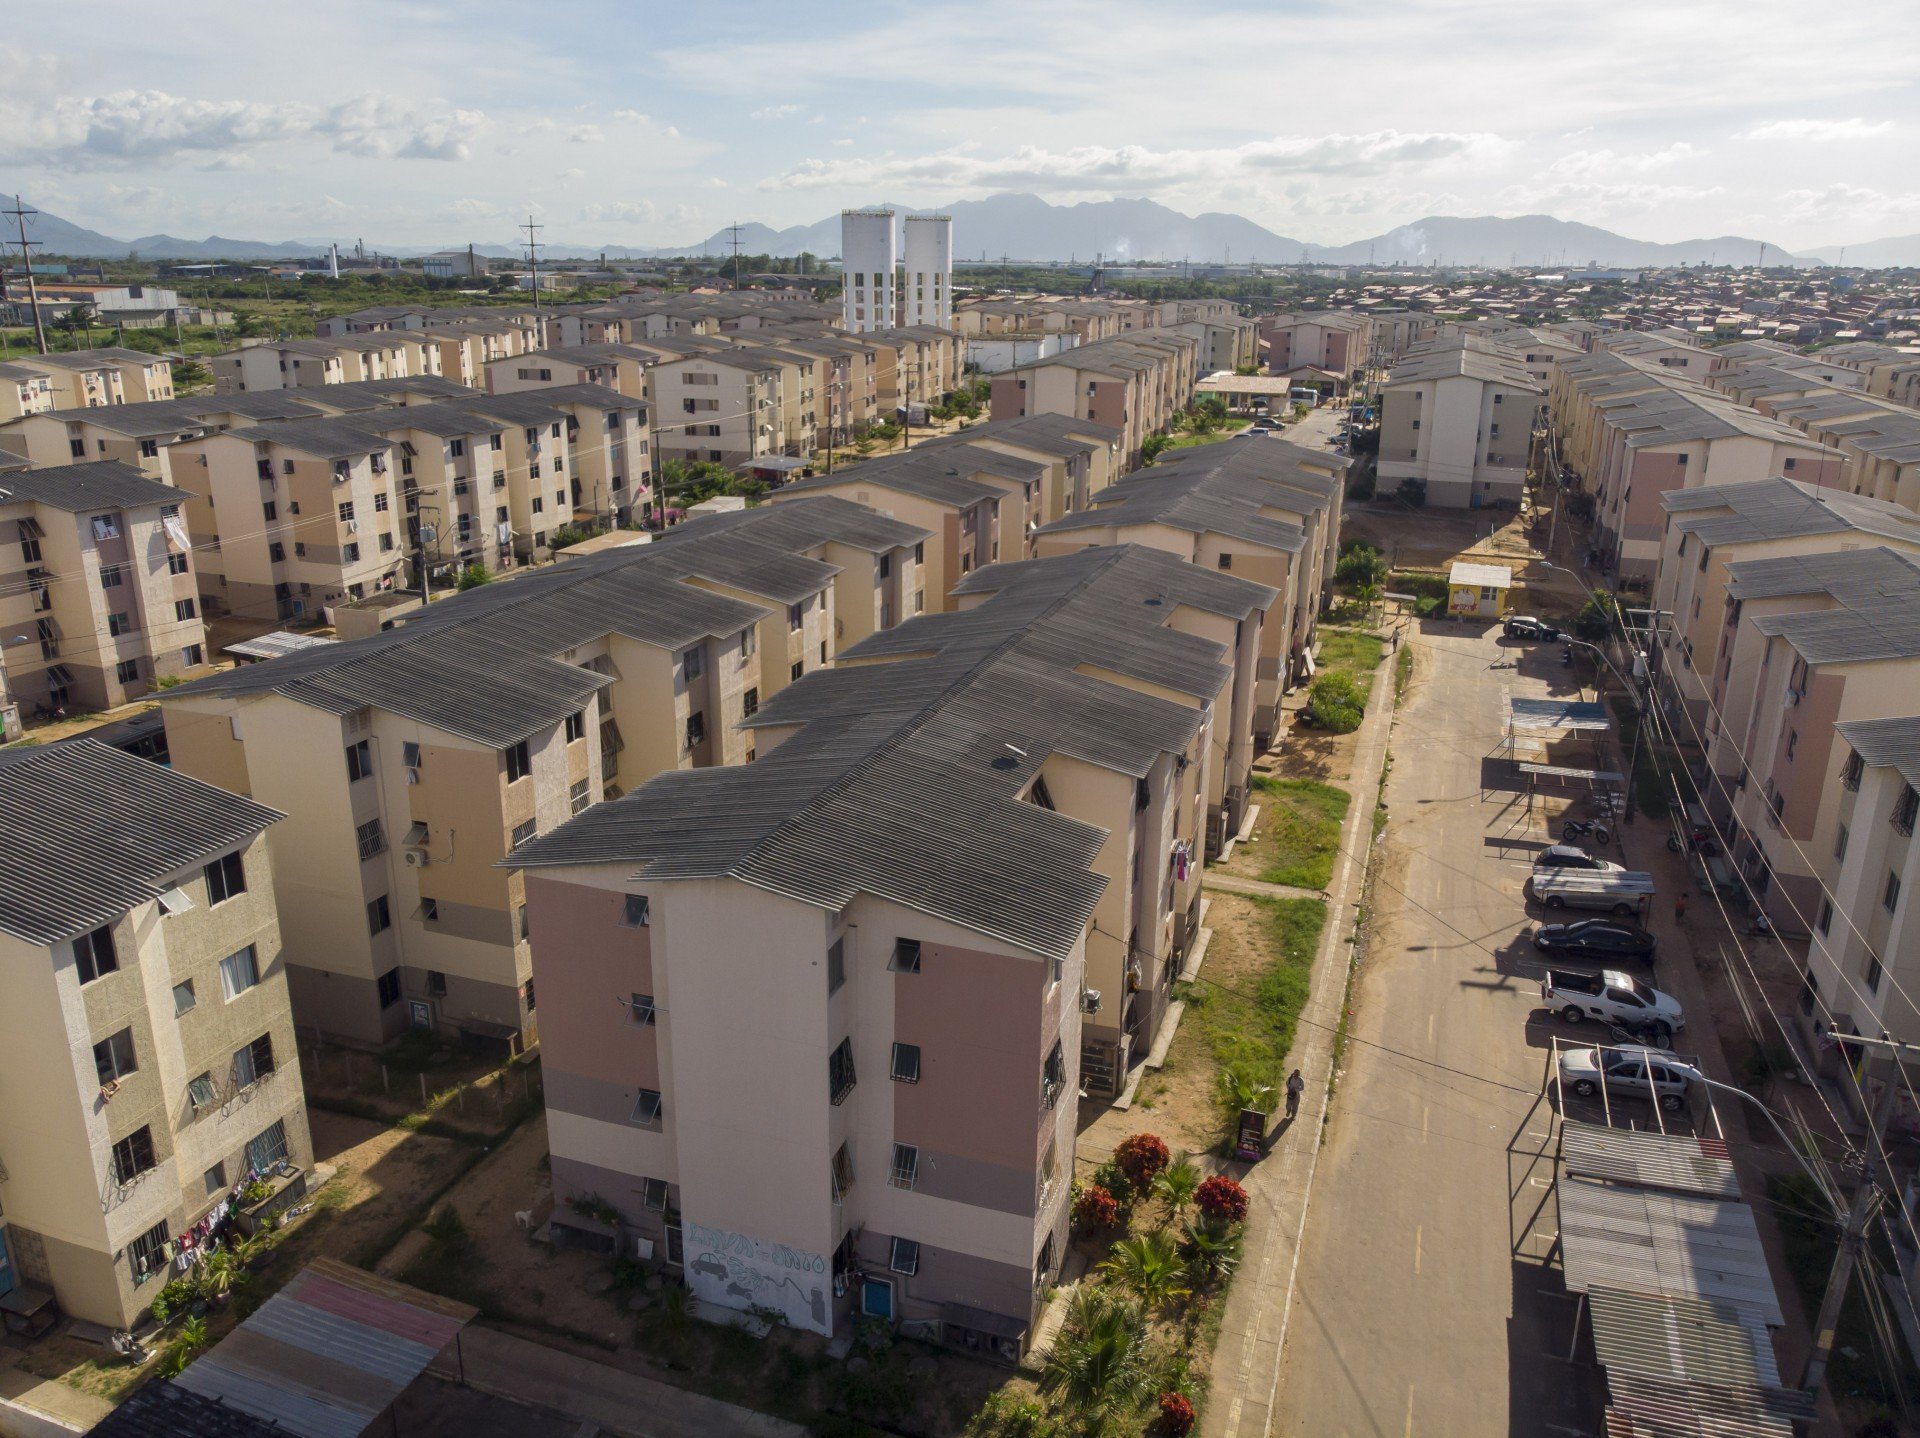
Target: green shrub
1336, 703
1412, 493
1359, 567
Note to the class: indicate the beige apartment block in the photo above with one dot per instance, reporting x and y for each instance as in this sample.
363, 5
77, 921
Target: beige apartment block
620, 367
723, 407
1667, 349
1133, 384
99, 594
82, 379
917, 988
1334, 342
146, 1044
1081, 457
1709, 530
1814, 652
1267, 512
1458, 413
23, 391
495, 715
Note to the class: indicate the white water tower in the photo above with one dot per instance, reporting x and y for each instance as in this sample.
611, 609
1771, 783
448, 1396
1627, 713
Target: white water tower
929, 265
867, 259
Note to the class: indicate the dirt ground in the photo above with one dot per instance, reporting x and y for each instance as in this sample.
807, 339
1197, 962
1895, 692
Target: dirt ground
460, 1087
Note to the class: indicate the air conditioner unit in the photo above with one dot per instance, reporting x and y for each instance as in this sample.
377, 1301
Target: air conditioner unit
1090, 1001
416, 858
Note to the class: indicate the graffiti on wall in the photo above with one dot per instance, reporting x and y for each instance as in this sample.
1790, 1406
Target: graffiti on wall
737, 1271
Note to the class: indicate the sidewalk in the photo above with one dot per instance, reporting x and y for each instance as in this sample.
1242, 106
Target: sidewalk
620, 1403
1246, 1369
1258, 888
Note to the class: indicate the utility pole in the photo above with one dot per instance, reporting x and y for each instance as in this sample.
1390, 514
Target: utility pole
20, 213
533, 262
733, 234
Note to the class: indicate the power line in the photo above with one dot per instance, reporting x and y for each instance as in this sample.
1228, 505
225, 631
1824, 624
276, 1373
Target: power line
20, 214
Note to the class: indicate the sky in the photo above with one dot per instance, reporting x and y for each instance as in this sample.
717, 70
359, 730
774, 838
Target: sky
631, 122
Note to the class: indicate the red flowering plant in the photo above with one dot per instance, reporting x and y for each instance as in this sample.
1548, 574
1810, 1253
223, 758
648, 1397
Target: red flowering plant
1141, 1156
1176, 1413
1220, 1197
1096, 1208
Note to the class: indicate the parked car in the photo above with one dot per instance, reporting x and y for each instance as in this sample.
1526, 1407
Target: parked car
1525, 626
1572, 856
1613, 889
1613, 998
1597, 938
1631, 1070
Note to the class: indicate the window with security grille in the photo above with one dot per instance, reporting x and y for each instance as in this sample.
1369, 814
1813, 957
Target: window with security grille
133, 1155
150, 1253
840, 1077
269, 1148
903, 1256
906, 1063
905, 1168
648, 1108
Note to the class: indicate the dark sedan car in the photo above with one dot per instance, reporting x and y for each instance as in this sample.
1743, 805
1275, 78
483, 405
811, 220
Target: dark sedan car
1595, 938
1525, 626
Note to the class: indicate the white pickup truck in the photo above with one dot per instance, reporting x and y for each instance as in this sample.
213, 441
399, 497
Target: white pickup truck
1612, 997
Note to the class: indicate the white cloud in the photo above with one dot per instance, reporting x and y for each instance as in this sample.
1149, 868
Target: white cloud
776, 112
1598, 164
586, 135
471, 209
639, 212
1136, 167
1854, 204
1818, 130
631, 117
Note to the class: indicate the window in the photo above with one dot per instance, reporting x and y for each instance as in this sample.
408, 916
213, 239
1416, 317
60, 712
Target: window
430, 914
133, 1156
653, 1194
750, 703
183, 609
276, 552
388, 988
226, 878
695, 664
920, 552
201, 1091
647, 1108
577, 797
539, 504
798, 671
696, 729
840, 1076
94, 955
127, 671
842, 1172
436, 981
379, 917
386, 543
749, 643
796, 615
106, 526
113, 1057
1840, 843
215, 1179
350, 553
371, 839
905, 1167
269, 1149
1052, 1075
381, 505
637, 913
183, 998
522, 833
1851, 772
151, 1252
410, 754
1890, 898
1906, 810
191, 655
1825, 920
238, 973
359, 761
906, 1063
906, 956
1226, 561
576, 727
111, 576
640, 1010
836, 966
118, 624
519, 765
253, 1063
1874, 973
903, 1256
1793, 742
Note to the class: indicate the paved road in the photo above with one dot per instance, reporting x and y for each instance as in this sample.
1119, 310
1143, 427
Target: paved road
1421, 1308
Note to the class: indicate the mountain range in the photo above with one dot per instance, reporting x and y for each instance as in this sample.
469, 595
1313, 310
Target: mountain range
1025, 227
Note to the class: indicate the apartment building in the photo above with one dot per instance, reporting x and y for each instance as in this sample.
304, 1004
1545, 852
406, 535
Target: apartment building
620, 367
1710, 530
342, 359
1081, 457
1670, 350
1813, 651
145, 1036
724, 407
1269, 513
1134, 385
1458, 413
1316, 344
23, 391
1397, 331
98, 590
496, 714
914, 987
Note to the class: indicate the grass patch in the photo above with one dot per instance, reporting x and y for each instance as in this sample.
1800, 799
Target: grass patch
1349, 652
1251, 1031
1302, 824
1402, 671
1226, 431
1650, 788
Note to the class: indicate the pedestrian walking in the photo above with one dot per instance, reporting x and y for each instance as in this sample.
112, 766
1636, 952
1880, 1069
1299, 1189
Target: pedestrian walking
1295, 1087
1680, 907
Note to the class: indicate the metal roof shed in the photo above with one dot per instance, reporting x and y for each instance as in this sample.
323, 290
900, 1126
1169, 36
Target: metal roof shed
328, 1354
1640, 1239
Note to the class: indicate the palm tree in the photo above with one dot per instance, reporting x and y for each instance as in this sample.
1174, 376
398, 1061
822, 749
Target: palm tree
1176, 1183
1240, 1089
1098, 1366
1150, 1266
1212, 1249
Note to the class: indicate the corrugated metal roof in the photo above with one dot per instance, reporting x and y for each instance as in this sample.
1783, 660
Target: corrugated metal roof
1647, 1241
161, 1409
1782, 508
1569, 714
76, 488
1893, 743
327, 1354
1876, 614
1685, 1339
91, 832
1688, 1164
1644, 1407
1495, 576
274, 644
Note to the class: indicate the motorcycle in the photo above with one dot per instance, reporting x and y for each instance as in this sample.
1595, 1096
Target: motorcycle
1699, 839
1566, 656
1579, 829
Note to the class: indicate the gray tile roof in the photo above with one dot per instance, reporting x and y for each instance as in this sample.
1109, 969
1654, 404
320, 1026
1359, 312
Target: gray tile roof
91, 832
1893, 743
1216, 495
1782, 508
162, 1409
901, 778
322, 438
1875, 614
100, 484
802, 524
939, 477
